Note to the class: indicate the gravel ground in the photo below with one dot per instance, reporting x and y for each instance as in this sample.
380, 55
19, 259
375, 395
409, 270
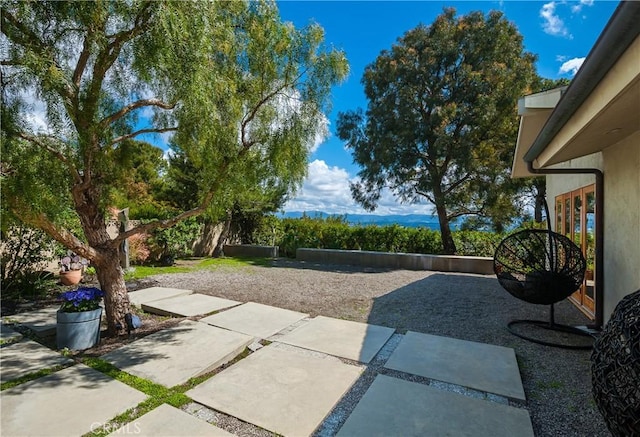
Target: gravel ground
465, 306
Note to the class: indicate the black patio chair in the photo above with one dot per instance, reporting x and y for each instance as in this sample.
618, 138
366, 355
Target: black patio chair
541, 267
615, 369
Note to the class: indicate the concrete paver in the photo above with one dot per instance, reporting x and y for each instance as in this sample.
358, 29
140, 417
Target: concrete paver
479, 366
42, 321
168, 421
8, 335
343, 338
281, 388
146, 295
188, 305
26, 357
255, 319
393, 407
172, 356
73, 401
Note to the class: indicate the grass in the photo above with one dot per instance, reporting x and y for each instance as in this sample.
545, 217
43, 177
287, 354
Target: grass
158, 394
31, 376
140, 272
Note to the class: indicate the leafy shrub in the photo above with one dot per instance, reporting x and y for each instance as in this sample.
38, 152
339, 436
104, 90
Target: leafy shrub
25, 252
139, 250
476, 243
176, 241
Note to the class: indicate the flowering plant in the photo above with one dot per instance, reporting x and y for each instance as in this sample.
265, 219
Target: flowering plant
82, 299
71, 262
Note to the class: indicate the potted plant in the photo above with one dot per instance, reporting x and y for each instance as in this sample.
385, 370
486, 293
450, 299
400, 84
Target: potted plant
71, 267
78, 319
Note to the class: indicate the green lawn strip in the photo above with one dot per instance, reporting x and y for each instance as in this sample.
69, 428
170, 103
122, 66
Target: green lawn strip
140, 272
159, 394
32, 376
236, 262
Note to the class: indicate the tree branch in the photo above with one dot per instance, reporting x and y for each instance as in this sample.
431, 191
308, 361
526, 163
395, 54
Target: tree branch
259, 105
61, 235
457, 184
140, 132
135, 105
56, 153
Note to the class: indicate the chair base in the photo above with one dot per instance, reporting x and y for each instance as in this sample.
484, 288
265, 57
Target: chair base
553, 327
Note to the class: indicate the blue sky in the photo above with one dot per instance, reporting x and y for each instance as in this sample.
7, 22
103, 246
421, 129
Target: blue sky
560, 33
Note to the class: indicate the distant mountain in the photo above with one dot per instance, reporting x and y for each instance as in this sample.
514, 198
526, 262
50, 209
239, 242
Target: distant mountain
408, 220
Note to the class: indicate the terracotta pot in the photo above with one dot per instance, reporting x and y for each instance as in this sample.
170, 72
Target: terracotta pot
72, 277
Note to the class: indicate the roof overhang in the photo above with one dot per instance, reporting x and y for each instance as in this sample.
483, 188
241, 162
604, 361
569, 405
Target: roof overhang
598, 109
534, 111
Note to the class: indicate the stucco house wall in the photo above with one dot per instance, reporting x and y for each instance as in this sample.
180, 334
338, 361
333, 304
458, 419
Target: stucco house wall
622, 220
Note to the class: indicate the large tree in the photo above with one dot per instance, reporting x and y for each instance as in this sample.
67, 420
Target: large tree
229, 79
441, 120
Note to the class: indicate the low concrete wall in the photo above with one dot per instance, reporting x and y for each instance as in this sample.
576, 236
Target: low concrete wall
250, 251
407, 261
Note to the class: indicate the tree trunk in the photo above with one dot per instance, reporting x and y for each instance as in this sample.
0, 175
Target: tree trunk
207, 242
217, 252
116, 299
541, 192
448, 245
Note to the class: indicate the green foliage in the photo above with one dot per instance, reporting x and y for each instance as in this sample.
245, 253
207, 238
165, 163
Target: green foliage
243, 92
176, 241
336, 233
441, 120
477, 243
25, 252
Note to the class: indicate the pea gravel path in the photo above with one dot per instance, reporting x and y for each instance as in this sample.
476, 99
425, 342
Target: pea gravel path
465, 306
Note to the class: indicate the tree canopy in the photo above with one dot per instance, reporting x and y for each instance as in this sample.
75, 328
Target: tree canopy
441, 120
234, 84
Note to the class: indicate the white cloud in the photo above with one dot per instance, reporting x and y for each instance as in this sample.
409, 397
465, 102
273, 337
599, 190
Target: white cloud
322, 133
326, 189
577, 8
571, 66
553, 24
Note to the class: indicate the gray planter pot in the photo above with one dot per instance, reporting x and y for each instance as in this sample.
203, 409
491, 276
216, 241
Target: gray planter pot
78, 331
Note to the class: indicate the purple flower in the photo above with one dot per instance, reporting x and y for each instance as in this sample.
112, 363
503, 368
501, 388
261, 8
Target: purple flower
82, 299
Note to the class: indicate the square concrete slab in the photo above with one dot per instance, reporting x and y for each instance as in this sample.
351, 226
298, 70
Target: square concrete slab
8, 335
479, 366
168, 421
188, 305
261, 321
172, 356
26, 357
152, 294
281, 388
73, 401
393, 406
42, 321
343, 338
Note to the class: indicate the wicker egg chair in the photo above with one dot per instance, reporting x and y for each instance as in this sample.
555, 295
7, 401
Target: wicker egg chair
615, 369
540, 267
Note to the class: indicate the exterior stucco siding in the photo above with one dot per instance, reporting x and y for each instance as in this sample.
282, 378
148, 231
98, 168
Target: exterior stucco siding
622, 221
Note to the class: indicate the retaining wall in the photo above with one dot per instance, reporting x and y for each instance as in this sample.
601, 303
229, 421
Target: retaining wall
250, 251
407, 261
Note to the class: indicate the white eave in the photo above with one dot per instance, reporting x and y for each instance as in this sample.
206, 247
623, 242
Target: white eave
534, 111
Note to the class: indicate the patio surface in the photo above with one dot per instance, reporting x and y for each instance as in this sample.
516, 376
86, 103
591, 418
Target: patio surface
289, 387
